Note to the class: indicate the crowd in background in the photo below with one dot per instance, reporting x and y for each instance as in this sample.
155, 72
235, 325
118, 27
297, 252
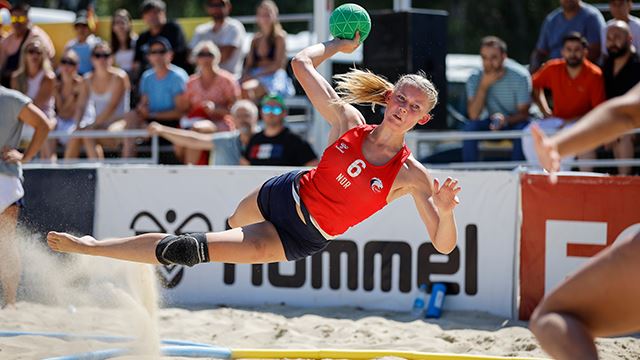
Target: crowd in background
155, 80
189, 91
579, 61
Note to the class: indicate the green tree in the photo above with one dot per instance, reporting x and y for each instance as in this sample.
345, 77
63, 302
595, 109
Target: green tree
516, 21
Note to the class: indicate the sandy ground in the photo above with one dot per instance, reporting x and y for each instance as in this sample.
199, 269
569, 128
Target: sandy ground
93, 296
281, 327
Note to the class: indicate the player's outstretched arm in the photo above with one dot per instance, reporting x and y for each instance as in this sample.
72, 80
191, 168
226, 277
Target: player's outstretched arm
603, 124
435, 202
320, 93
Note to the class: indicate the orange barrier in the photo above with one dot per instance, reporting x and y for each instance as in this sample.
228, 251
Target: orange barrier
567, 223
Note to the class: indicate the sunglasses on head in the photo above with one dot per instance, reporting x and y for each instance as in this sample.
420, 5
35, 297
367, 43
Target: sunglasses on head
100, 55
18, 19
67, 61
272, 109
158, 52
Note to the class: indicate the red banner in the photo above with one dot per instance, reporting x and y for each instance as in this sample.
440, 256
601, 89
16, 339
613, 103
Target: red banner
565, 224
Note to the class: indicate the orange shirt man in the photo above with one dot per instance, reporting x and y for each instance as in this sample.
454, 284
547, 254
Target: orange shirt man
576, 85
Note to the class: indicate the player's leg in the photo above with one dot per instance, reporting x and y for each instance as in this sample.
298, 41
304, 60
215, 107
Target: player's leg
255, 243
601, 299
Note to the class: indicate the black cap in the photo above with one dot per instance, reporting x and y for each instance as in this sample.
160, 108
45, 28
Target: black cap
162, 41
152, 5
81, 18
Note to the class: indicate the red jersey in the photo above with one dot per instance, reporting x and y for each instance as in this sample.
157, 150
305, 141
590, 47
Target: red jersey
345, 189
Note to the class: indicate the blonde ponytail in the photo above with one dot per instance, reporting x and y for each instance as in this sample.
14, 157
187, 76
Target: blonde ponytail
362, 87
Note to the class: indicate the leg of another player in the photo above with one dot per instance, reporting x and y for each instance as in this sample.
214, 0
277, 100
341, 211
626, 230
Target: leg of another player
601, 299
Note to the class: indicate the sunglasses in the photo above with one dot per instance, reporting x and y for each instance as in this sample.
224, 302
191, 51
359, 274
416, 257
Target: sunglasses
204, 54
216, 5
67, 61
158, 52
101, 55
18, 19
270, 109
34, 51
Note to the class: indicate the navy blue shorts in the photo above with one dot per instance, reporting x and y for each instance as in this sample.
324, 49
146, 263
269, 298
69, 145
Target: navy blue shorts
278, 206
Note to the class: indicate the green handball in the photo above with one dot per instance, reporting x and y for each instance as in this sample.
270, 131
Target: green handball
346, 19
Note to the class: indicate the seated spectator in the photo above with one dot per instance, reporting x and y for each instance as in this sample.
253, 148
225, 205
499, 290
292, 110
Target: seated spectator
36, 79
226, 147
84, 41
577, 87
209, 96
123, 40
621, 72
498, 97
105, 101
276, 144
264, 66
155, 17
621, 10
571, 16
160, 88
226, 32
68, 94
22, 32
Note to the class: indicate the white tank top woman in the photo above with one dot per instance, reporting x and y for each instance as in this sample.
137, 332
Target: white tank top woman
33, 86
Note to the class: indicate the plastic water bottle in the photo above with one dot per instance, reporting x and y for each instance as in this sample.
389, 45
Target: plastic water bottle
418, 302
436, 300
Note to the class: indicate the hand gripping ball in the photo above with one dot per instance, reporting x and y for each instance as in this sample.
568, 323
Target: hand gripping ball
346, 19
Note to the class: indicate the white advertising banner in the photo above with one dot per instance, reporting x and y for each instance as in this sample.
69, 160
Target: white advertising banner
377, 264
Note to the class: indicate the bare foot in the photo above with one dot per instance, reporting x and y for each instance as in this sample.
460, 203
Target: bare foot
63, 242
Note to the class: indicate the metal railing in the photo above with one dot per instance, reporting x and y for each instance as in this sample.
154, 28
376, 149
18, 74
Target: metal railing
413, 139
416, 139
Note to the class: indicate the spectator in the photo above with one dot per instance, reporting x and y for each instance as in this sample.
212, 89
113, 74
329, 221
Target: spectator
105, 101
68, 95
226, 32
160, 88
264, 66
577, 87
17, 110
621, 10
571, 16
498, 92
209, 96
226, 147
22, 32
123, 40
276, 144
621, 72
155, 16
84, 41
36, 79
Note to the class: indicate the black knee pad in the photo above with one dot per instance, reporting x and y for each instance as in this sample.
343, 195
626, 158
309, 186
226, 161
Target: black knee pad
186, 249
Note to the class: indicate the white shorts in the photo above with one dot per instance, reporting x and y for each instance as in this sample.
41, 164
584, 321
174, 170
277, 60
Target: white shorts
10, 191
66, 126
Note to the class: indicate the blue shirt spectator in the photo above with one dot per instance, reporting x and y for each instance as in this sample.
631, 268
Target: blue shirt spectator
162, 92
572, 16
83, 43
498, 97
509, 92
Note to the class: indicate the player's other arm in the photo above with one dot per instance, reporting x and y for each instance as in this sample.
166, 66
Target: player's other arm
600, 126
435, 203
